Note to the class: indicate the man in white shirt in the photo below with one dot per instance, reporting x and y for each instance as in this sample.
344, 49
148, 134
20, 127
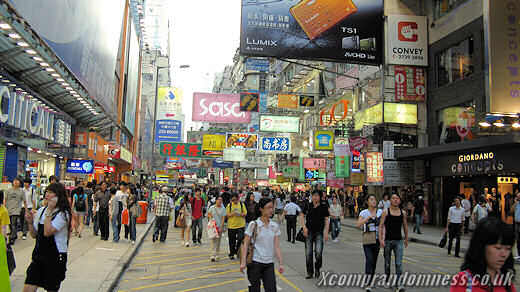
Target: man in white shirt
455, 219
30, 198
257, 195
291, 212
384, 203
466, 204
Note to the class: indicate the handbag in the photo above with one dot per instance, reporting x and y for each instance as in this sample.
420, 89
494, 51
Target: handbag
250, 249
369, 238
11, 263
136, 210
443, 241
300, 236
181, 221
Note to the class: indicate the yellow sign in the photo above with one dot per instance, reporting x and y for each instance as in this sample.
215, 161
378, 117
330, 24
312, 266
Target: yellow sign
126, 155
370, 116
288, 100
323, 140
213, 142
401, 113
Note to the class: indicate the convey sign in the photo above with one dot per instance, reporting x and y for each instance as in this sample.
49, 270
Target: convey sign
407, 40
218, 108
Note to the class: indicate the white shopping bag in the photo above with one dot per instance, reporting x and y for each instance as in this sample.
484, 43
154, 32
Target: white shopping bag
212, 229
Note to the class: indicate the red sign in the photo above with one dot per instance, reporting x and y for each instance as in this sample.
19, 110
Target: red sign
328, 116
374, 168
336, 183
410, 83
407, 31
81, 139
314, 163
357, 143
104, 168
114, 150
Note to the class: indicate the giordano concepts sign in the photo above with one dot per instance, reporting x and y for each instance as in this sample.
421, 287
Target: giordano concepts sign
478, 162
19, 111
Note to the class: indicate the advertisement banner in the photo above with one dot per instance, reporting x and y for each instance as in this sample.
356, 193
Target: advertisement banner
407, 41
306, 100
399, 173
279, 124
257, 64
219, 163
342, 166
81, 139
323, 140
241, 141
276, 144
249, 101
313, 29
213, 142
97, 148
292, 171
374, 168
388, 150
169, 100
314, 163
400, 113
231, 154
341, 149
336, 183
311, 174
287, 101
369, 116
80, 166
176, 149
356, 161
410, 83
357, 143
132, 80
126, 155
218, 108
85, 36
168, 130
255, 162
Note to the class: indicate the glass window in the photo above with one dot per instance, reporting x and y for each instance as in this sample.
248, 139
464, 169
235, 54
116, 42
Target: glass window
443, 7
455, 62
457, 124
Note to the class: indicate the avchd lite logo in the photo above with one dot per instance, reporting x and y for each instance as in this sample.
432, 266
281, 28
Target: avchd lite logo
407, 31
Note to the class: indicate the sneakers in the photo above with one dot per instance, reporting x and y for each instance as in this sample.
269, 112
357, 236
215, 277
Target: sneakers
154, 238
309, 276
335, 240
79, 235
231, 257
400, 288
200, 243
187, 244
133, 242
212, 259
24, 237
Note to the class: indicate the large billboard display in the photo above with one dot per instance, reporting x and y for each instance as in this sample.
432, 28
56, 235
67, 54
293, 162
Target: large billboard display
218, 108
169, 123
132, 84
242, 140
279, 124
345, 31
85, 36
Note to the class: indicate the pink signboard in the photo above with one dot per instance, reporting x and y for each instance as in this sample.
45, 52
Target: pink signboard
314, 163
218, 108
336, 183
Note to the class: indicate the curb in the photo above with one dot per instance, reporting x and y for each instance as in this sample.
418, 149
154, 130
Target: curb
413, 239
113, 278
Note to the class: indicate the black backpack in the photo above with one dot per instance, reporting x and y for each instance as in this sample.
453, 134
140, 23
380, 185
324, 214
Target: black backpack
80, 203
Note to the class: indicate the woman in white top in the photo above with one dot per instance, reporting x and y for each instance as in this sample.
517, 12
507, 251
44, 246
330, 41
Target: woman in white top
279, 205
186, 212
480, 211
266, 237
369, 220
335, 219
217, 212
50, 226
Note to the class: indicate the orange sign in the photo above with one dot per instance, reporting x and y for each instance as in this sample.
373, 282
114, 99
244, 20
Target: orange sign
81, 139
287, 100
97, 148
328, 116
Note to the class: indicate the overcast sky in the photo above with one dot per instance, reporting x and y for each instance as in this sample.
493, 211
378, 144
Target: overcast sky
205, 35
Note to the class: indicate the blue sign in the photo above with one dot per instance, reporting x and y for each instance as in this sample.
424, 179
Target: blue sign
276, 144
311, 174
257, 64
222, 164
80, 166
168, 130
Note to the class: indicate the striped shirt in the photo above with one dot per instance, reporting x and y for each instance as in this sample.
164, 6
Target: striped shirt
162, 205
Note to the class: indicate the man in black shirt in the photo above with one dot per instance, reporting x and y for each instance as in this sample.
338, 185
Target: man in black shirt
315, 222
102, 197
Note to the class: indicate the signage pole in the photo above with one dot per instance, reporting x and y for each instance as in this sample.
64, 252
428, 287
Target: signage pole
155, 108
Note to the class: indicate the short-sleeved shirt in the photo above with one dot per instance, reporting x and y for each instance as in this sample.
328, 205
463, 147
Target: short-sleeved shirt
292, 209
372, 224
467, 207
14, 199
335, 210
4, 217
264, 242
218, 213
30, 197
236, 222
60, 223
102, 198
315, 217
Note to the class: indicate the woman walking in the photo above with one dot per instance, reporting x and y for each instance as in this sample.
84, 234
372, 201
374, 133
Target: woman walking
80, 207
251, 209
132, 218
50, 226
369, 221
266, 238
218, 213
185, 211
335, 218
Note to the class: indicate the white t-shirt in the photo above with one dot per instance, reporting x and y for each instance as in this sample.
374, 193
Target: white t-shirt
264, 244
30, 196
335, 210
59, 223
292, 208
374, 226
257, 196
467, 206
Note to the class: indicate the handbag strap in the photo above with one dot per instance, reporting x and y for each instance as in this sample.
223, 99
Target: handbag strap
255, 232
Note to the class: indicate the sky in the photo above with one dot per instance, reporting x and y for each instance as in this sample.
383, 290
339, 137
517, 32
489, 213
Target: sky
205, 35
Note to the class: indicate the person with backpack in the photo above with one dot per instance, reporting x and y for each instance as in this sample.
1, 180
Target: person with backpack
80, 206
236, 212
197, 205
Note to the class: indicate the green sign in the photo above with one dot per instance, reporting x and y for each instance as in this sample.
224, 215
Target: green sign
342, 166
291, 171
174, 149
302, 173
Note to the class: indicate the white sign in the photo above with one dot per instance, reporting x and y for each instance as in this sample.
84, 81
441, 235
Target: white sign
233, 154
388, 150
407, 41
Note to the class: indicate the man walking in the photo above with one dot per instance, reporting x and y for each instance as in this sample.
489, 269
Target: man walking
418, 210
162, 211
455, 220
30, 199
291, 210
466, 204
390, 238
315, 223
197, 205
236, 213
102, 197
14, 197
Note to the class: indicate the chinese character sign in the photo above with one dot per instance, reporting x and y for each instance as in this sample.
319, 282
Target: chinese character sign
410, 83
276, 144
279, 124
168, 130
180, 149
314, 163
374, 168
342, 164
287, 101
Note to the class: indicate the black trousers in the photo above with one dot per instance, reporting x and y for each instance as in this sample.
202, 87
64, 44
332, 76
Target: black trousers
351, 210
265, 272
103, 222
235, 239
454, 232
291, 227
161, 224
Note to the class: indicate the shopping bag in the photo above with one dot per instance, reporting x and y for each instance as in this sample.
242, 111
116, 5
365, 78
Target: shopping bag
212, 229
181, 221
444, 239
300, 236
124, 217
472, 225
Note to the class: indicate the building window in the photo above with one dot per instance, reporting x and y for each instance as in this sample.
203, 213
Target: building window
455, 62
457, 123
443, 7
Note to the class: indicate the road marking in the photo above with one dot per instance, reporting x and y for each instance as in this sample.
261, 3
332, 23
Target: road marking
185, 264
185, 280
288, 282
178, 272
168, 254
170, 250
213, 285
410, 259
442, 269
103, 248
156, 262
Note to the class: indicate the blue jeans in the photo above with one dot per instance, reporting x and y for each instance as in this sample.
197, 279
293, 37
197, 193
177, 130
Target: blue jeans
132, 226
418, 222
313, 243
115, 230
89, 215
397, 247
335, 227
